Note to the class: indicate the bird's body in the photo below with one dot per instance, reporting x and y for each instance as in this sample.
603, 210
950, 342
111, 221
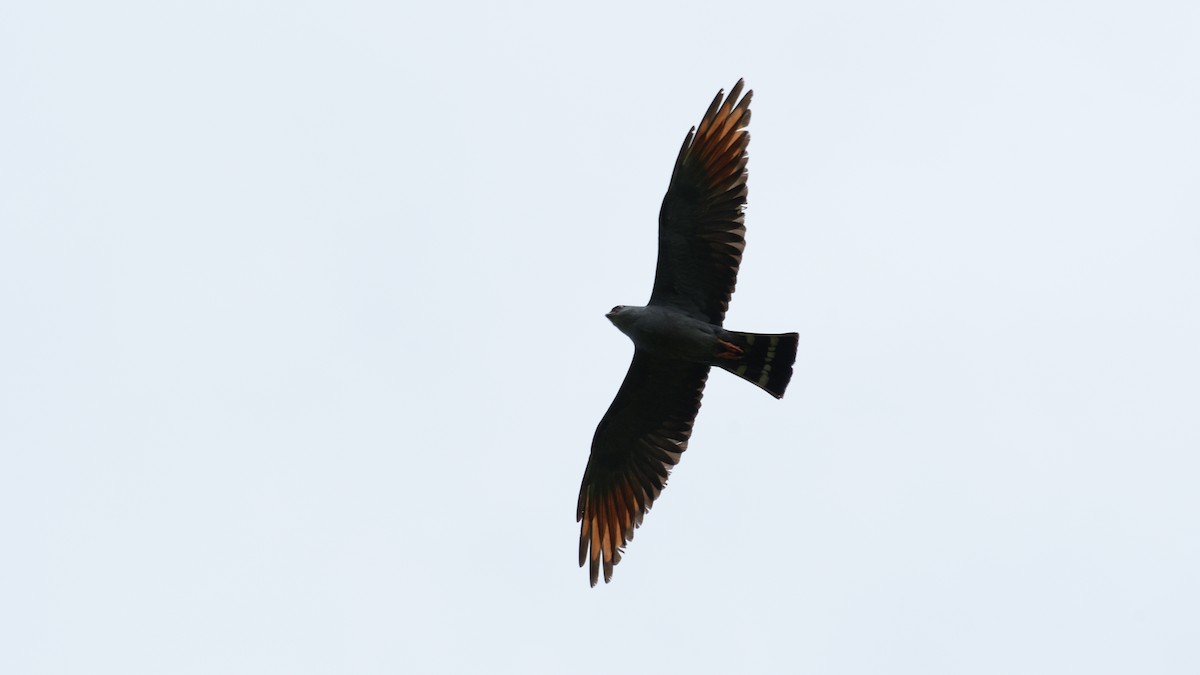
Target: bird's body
673, 334
668, 332
678, 336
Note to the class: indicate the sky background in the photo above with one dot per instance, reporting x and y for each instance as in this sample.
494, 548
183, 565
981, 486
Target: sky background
303, 338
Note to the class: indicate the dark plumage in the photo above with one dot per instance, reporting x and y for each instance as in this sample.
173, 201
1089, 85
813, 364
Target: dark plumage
678, 336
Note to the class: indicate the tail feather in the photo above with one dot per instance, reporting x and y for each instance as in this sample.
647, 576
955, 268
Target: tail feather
766, 360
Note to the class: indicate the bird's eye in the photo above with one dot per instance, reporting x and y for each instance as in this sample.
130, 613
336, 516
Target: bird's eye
617, 309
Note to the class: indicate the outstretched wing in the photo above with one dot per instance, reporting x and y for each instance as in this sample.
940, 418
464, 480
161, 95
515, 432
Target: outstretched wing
636, 444
701, 229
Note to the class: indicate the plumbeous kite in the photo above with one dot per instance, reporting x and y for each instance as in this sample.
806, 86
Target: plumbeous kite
678, 336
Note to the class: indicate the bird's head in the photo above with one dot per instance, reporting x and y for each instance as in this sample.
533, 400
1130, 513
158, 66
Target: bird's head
618, 314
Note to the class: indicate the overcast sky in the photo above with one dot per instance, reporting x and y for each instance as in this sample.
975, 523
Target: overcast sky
302, 342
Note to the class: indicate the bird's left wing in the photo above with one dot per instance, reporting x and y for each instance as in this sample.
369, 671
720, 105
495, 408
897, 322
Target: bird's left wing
637, 442
701, 229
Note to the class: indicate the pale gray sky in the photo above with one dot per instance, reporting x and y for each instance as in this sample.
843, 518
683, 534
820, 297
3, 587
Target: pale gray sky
304, 344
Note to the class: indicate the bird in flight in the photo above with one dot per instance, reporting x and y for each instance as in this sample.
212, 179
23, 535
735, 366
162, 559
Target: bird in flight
678, 336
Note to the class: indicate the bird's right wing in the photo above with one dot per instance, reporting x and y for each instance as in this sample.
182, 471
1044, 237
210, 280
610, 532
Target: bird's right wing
637, 442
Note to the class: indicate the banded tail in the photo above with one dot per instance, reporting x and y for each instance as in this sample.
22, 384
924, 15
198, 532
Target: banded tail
766, 360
